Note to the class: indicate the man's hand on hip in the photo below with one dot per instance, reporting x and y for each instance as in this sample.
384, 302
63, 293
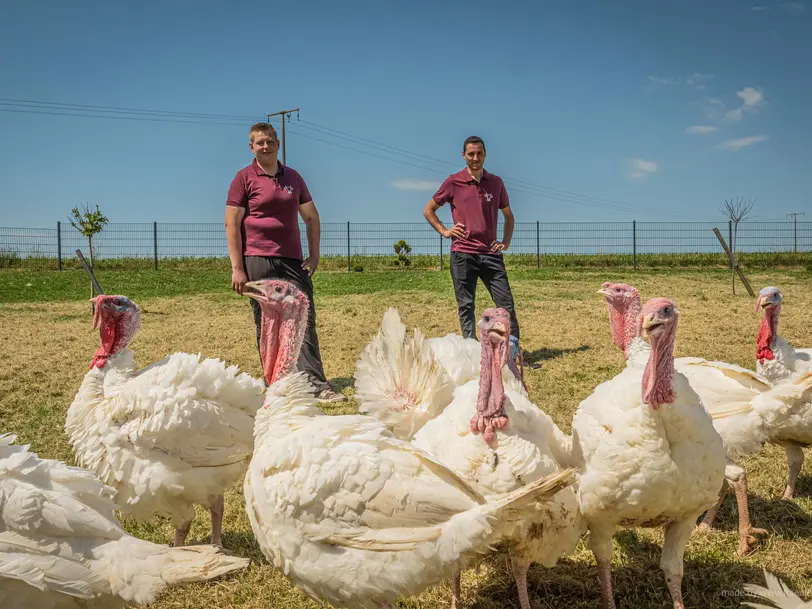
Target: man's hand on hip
238, 280
310, 263
457, 231
498, 246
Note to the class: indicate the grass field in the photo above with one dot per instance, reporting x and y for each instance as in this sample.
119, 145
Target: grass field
46, 343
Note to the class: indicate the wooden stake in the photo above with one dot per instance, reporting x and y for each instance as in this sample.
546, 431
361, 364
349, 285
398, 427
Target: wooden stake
735, 264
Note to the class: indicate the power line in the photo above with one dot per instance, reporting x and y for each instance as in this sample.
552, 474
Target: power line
24, 102
141, 114
129, 118
518, 185
540, 187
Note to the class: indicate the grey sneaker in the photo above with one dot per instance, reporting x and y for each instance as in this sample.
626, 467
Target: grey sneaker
329, 396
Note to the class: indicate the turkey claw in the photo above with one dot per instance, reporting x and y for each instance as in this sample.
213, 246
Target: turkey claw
748, 541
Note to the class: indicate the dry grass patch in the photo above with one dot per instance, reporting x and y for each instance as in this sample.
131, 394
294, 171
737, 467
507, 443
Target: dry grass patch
45, 349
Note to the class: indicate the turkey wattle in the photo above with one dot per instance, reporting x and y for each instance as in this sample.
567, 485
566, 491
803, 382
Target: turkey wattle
350, 513
776, 359
167, 436
407, 380
498, 441
747, 409
648, 454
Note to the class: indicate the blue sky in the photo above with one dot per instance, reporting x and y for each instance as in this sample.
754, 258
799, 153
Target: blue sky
591, 110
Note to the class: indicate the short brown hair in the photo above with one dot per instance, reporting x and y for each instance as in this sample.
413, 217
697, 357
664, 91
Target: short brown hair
474, 139
265, 128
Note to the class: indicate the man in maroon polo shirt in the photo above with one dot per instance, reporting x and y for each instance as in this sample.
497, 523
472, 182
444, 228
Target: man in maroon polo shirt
476, 196
263, 207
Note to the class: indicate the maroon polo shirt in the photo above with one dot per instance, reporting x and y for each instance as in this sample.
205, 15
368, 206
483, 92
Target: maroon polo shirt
474, 204
271, 202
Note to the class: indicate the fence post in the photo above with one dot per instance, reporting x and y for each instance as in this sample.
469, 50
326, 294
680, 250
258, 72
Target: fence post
349, 268
730, 241
58, 245
634, 243
155, 245
538, 246
441, 251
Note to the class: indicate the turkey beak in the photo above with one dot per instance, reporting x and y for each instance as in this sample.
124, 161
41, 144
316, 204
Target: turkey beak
498, 333
604, 291
651, 322
253, 289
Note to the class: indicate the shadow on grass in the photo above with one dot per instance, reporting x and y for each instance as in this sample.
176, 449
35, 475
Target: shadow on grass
340, 383
241, 543
709, 581
783, 518
542, 355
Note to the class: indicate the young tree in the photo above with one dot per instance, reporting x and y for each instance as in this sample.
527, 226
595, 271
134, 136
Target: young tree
736, 211
89, 223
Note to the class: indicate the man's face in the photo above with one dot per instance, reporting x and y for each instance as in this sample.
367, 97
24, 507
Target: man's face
265, 147
474, 156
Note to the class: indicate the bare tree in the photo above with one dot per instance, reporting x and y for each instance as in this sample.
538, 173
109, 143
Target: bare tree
736, 211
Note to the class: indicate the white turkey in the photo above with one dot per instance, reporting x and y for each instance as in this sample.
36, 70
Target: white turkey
350, 513
62, 547
168, 436
648, 454
776, 359
747, 410
405, 381
497, 440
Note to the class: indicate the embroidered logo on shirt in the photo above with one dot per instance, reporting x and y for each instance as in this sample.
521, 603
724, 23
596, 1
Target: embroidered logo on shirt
488, 196
289, 189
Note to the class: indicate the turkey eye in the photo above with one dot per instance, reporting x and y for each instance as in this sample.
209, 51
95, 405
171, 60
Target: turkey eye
487, 318
278, 289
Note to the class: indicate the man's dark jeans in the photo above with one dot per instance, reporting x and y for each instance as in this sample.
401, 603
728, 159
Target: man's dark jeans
290, 269
490, 268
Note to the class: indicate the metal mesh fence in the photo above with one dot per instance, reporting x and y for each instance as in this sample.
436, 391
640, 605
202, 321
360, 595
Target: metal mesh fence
537, 242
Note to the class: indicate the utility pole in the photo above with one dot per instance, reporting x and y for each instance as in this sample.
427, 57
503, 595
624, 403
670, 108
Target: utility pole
283, 113
795, 216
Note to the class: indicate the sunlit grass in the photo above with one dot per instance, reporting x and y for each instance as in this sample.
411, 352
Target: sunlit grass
46, 343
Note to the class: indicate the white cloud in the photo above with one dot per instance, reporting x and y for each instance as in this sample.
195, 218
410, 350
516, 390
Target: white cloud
701, 129
743, 142
411, 184
795, 7
758, 8
640, 168
751, 96
752, 99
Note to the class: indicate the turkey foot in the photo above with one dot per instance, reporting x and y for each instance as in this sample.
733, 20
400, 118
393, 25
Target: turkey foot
748, 540
747, 533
